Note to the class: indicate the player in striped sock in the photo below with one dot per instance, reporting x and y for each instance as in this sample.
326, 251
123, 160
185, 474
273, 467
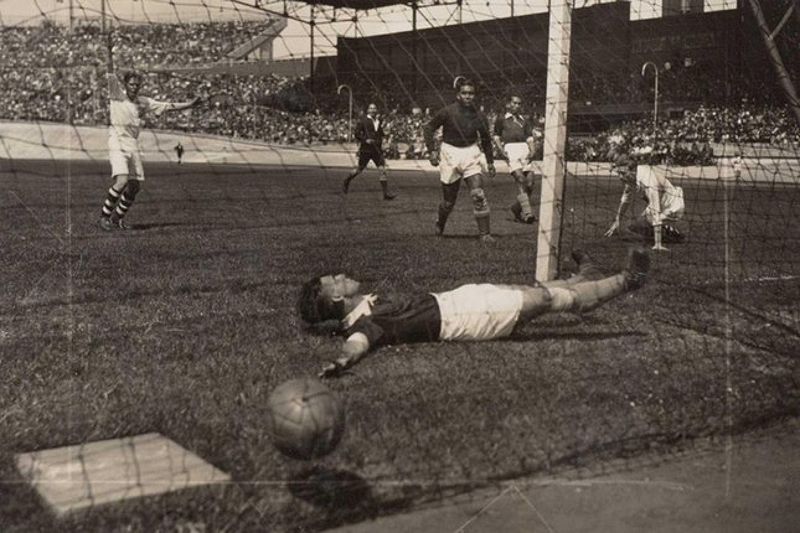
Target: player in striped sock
125, 107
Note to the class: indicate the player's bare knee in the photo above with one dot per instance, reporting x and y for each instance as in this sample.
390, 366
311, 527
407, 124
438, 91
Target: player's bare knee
120, 180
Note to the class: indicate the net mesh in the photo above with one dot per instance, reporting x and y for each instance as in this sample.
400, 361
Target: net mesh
183, 324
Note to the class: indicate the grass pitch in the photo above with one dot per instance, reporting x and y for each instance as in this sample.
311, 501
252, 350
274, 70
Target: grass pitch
185, 324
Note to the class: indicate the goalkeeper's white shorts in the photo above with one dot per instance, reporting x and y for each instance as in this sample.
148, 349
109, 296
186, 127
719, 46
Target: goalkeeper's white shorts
478, 312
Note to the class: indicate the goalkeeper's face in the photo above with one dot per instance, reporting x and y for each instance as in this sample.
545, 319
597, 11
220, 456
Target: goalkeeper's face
338, 286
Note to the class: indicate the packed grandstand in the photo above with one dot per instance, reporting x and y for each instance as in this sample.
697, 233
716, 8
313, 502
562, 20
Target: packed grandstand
49, 73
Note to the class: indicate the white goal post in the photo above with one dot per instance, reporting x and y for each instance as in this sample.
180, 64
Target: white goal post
555, 140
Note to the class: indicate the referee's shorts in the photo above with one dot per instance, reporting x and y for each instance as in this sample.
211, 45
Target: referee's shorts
367, 153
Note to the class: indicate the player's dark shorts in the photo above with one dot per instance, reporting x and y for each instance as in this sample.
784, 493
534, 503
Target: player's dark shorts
367, 153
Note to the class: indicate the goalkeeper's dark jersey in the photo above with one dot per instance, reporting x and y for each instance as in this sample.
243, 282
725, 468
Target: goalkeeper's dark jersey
398, 318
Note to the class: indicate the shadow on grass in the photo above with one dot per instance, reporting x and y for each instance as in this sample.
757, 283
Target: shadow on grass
461, 236
347, 498
157, 225
575, 335
333, 489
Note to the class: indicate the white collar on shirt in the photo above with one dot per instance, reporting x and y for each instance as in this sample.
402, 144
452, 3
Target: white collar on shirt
364, 308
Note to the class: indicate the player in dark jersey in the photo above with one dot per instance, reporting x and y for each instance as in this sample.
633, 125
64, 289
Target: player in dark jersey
516, 139
470, 312
466, 147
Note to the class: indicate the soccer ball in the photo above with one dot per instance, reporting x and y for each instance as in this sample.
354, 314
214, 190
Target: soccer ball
306, 420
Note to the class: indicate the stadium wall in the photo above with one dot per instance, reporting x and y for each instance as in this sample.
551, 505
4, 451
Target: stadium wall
52, 142
59, 142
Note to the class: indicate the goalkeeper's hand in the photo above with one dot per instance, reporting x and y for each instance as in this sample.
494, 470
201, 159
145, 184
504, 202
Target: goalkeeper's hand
612, 230
335, 369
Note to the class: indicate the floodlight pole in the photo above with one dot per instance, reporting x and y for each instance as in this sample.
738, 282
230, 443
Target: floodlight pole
311, 25
350, 109
555, 140
655, 95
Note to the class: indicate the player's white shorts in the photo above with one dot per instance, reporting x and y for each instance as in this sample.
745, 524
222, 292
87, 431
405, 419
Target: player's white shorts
457, 162
125, 159
518, 154
672, 207
478, 312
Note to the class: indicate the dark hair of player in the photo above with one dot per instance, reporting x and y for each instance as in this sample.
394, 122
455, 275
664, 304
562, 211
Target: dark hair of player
314, 308
131, 74
462, 82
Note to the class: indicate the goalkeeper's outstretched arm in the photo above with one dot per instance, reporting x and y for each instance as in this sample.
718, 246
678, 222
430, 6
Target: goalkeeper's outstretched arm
624, 203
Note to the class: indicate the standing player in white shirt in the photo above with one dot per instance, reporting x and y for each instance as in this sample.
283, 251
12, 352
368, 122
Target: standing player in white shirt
126, 107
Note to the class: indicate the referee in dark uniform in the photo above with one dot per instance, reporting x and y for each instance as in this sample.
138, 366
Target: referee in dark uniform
369, 132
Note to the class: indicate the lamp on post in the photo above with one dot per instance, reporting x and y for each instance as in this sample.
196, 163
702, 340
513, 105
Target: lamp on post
655, 95
350, 109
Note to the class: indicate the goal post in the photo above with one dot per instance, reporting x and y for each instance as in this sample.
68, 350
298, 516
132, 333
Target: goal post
555, 140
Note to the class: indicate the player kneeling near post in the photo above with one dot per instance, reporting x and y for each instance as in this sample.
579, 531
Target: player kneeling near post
473, 312
665, 205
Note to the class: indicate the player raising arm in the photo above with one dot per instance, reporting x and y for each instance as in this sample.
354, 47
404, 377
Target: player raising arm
471, 312
126, 107
664, 204
463, 126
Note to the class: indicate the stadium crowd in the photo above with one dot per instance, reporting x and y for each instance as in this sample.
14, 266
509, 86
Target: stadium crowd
50, 74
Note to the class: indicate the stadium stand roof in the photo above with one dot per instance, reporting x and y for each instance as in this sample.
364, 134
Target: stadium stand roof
361, 4
276, 26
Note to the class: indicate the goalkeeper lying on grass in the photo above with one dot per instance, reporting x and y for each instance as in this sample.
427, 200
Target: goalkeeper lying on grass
470, 312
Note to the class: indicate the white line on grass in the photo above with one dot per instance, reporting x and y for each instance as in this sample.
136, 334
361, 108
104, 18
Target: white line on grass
761, 279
